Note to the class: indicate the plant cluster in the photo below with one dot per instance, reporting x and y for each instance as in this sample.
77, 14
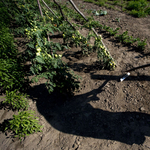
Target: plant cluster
46, 63
16, 100
138, 8
13, 81
124, 37
23, 124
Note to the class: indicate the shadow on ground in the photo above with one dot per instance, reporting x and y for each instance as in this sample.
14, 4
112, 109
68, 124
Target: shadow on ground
76, 116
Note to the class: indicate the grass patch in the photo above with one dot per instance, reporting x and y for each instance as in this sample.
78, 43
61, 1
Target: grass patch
136, 8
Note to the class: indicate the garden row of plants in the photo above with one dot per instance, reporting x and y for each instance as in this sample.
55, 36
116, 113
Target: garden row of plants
13, 79
21, 18
136, 8
24, 21
124, 38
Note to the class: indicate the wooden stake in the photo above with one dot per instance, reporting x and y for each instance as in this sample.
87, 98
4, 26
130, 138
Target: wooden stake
63, 14
49, 9
40, 8
75, 7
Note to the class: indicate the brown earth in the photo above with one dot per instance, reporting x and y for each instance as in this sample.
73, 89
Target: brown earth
104, 114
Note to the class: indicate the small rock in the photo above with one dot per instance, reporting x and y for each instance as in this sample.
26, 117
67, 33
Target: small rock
142, 109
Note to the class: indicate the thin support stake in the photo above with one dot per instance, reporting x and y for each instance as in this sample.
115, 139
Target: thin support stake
63, 14
75, 7
49, 9
40, 8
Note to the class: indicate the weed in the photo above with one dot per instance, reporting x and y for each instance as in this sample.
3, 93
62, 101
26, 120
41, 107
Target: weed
141, 44
16, 100
23, 124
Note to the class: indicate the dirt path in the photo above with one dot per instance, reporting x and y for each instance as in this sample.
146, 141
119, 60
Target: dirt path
104, 114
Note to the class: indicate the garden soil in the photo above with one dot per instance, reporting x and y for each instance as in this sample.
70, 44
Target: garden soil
104, 114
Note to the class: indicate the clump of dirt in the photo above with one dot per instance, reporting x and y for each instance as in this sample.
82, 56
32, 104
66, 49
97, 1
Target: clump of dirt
105, 113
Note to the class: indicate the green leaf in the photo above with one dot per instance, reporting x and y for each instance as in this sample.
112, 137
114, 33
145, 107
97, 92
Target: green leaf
40, 60
50, 30
30, 45
58, 46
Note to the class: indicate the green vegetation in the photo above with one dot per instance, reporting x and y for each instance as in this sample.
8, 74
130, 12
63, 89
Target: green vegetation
22, 18
137, 8
23, 124
16, 100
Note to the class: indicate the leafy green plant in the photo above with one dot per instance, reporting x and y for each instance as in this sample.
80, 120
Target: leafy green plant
4, 17
23, 124
138, 8
58, 75
7, 47
46, 63
12, 75
141, 44
110, 30
16, 100
103, 55
125, 38
137, 5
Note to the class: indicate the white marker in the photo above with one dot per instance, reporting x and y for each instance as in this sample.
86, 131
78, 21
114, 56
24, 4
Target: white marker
125, 76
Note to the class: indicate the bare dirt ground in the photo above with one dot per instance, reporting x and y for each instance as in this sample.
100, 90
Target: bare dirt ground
104, 114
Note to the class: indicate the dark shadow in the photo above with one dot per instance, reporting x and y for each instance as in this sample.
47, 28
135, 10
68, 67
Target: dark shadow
147, 54
113, 77
56, 36
86, 68
76, 116
135, 68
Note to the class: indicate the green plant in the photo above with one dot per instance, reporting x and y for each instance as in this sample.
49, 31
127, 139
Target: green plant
7, 47
57, 74
141, 44
16, 100
137, 5
99, 13
4, 17
138, 8
12, 75
46, 63
118, 19
103, 55
23, 124
125, 38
